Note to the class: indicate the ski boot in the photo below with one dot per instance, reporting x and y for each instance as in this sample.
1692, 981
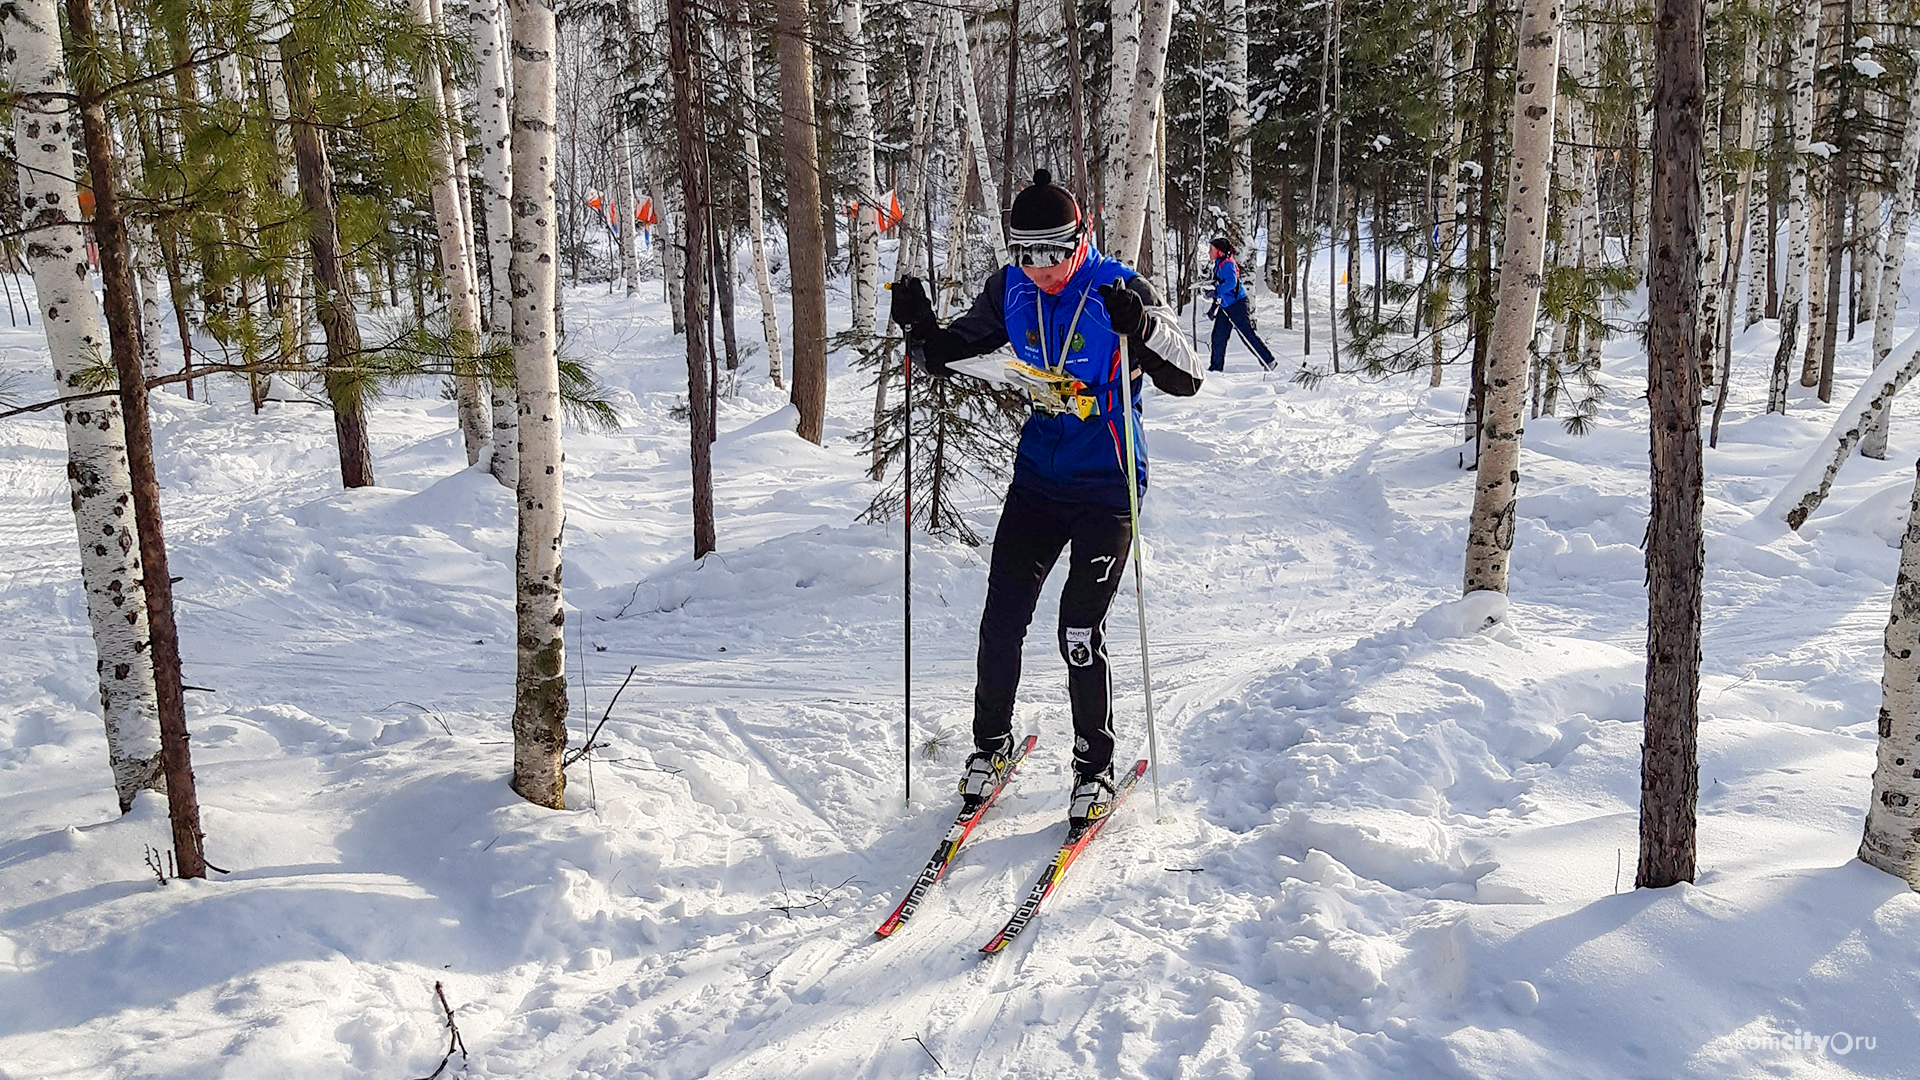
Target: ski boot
1092, 798
986, 771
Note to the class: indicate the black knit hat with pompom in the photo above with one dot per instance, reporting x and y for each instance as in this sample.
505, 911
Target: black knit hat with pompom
1044, 207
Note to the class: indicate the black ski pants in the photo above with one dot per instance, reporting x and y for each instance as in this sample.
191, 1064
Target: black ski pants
1033, 531
1229, 318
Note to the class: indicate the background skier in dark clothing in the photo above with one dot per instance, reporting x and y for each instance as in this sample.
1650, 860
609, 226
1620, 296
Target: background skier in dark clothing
1231, 309
1062, 307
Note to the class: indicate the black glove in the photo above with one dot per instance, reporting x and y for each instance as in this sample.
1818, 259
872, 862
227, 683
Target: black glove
1213, 312
922, 363
910, 307
1125, 313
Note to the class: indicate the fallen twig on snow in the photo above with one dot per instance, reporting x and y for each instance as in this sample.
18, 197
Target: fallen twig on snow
453, 1036
923, 1046
589, 746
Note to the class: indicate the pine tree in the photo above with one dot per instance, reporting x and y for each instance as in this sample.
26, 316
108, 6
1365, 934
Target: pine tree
1669, 770
806, 244
121, 310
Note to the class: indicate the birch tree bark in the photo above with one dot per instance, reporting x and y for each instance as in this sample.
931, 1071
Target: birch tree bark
1490, 532
97, 472
666, 244
1124, 59
455, 239
1137, 171
756, 210
1886, 301
976, 134
1815, 477
928, 102
1447, 59
293, 323
540, 679
866, 229
1712, 207
1892, 837
1240, 227
123, 335
1799, 212
806, 245
1593, 247
1310, 225
624, 210
493, 96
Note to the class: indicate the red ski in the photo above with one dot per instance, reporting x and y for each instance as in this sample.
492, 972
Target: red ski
1057, 869
936, 867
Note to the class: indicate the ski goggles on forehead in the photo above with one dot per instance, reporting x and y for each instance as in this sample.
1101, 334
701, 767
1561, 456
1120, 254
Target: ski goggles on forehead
1043, 249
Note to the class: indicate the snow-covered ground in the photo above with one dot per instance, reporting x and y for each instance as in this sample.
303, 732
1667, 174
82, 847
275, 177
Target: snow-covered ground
1394, 844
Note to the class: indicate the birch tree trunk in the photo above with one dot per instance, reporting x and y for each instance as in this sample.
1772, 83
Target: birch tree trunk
1490, 532
865, 290
1713, 248
1446, 55
1799, 213
123, 334
928, 101
456, 259
1738, 228
1593, 245
293, 322
1815, 478
756, 210
976, 134
1124, 60
97, 472
1892, 837
144, 242
491, 35
689, 120
806, 244
625, 210
1137, 171
1669, 767
1240, 226
540, 679
664, 244
1886, 303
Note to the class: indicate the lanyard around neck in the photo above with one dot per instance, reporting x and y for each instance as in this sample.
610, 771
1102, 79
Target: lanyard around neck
1072, 324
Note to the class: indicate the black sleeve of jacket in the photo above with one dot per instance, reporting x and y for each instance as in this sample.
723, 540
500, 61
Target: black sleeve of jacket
1161, 352
981, 330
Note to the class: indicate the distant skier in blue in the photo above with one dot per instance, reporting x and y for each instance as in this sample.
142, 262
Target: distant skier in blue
1231, 309
1060, 306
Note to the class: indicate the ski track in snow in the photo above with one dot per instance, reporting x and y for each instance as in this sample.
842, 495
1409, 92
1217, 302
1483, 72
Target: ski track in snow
1381, 815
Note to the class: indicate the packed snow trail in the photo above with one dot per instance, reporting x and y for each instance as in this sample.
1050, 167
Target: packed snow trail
1392, 828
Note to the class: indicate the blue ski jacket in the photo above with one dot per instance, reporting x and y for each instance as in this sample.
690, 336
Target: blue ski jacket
1062, 456
1226, 282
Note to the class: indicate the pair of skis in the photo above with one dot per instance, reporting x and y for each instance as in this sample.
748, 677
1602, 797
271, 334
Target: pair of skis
1049, 879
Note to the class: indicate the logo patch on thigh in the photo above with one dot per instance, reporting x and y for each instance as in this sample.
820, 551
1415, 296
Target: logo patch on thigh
1080, 646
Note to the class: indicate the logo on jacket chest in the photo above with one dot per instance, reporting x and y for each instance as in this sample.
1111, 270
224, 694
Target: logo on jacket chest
1076, 343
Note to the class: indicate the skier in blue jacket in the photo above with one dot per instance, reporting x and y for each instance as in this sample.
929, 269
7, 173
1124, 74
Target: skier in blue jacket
1061, 305
1231, 309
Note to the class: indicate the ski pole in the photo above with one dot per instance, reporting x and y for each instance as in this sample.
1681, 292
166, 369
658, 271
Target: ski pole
1139, 586
906, 540
906, 544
